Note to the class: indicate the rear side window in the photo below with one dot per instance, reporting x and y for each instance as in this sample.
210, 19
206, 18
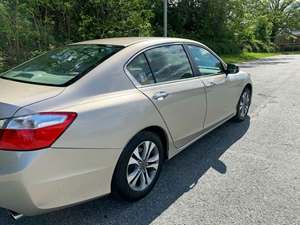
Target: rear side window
169, 63
63, 65
139, 68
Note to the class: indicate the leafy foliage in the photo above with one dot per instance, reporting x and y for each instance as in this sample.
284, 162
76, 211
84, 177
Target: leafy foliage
30, 27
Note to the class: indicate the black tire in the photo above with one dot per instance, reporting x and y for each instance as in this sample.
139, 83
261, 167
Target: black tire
241, 116
120, 184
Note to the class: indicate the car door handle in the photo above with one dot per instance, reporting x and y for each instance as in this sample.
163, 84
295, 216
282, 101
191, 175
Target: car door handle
211, 84
159, 96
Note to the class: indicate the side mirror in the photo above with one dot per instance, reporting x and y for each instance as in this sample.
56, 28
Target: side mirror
231, 68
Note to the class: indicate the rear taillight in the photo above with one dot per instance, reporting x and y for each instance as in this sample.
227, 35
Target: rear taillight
33, 132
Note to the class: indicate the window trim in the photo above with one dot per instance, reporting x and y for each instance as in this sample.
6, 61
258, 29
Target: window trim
138, 85
198, 72
132, 77
148, 63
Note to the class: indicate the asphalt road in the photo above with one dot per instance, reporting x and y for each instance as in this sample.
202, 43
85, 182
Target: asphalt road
241, 173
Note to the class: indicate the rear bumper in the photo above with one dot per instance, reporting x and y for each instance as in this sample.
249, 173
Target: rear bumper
32, 183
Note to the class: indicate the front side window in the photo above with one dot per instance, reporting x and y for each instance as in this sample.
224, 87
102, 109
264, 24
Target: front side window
206, 62
169, 63
62, 65
140, 70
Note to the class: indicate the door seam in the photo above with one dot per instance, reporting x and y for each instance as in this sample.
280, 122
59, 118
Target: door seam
165, 123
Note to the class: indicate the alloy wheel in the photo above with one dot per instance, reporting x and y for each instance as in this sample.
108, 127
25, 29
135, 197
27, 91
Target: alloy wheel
244, 104
143, 166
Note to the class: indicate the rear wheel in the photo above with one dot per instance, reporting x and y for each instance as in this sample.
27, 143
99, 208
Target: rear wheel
243, 105
139, 167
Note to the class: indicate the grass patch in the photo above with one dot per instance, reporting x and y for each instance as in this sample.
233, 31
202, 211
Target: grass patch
247, 56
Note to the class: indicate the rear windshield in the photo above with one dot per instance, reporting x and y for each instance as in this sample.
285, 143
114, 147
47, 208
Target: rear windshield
61, 66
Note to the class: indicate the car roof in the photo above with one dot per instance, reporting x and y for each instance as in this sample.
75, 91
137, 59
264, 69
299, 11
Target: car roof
127, 41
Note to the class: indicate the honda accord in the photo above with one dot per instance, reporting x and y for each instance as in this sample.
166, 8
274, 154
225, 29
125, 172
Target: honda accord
102, 116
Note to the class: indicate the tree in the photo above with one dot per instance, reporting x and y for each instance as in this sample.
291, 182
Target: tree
283, 14
263, 29
111, 18
29, 27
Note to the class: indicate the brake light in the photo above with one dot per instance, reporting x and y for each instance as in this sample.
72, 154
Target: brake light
34, 132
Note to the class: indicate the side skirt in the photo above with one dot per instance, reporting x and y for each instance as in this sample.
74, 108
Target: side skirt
204, 132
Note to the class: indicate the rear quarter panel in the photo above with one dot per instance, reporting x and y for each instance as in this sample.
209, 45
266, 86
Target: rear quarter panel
80, 164
104, 121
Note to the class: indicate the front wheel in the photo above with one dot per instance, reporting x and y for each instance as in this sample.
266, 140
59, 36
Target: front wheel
139, 167
243, 105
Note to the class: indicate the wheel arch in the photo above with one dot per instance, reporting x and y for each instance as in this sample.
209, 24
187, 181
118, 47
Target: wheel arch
162, 134
250, 87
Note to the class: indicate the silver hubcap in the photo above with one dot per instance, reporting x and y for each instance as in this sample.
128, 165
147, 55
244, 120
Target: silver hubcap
142, 166
244, 104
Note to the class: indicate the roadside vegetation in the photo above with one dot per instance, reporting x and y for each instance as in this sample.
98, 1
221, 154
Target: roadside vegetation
234, 28
247, 56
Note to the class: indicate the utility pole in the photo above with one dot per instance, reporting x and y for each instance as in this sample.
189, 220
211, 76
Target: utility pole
165, 18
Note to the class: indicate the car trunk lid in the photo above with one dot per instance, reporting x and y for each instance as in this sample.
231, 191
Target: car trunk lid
15, 95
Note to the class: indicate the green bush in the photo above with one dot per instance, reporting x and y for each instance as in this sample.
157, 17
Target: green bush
2, 63
223, 47
30, 27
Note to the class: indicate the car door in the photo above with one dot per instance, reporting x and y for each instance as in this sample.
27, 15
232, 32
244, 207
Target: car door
220, 88
168, 81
